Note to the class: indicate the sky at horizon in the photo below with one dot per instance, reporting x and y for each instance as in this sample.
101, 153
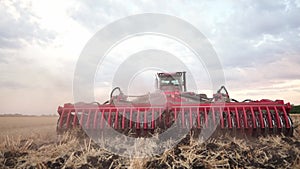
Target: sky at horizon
257, 43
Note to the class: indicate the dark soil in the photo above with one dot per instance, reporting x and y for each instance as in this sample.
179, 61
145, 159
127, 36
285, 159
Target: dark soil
222, 152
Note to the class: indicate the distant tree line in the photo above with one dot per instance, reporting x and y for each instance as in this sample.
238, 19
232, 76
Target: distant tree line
295, 109
26, 115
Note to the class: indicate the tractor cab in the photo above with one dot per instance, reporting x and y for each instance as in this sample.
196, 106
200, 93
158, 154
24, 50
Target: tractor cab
171, 81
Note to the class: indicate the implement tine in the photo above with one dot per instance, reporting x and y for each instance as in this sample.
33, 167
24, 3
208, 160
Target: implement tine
269, 117
145, 120
175, 114
286, 118
138, 119
123, 119
213, 115
87, 125
261, 117
68, 118
75, 118
102, 119
61, 118
81, 118
198, 118
191, 117
205, 116
253, 118
182, 118
229, 118
245, 118
95, 119
116, 119
130, 118
237, 117
277, 117
109, 118
221, 117
160, 115
153, 120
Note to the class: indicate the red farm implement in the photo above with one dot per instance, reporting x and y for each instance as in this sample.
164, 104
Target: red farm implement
187, 110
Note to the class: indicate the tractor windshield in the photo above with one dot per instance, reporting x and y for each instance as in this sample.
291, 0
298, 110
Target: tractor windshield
169, 82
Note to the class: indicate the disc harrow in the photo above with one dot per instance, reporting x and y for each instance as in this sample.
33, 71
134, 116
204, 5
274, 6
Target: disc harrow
185, 110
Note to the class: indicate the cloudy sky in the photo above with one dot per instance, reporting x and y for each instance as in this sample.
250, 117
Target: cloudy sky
257, 43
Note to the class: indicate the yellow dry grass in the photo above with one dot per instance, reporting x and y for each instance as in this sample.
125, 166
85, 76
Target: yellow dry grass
27, 126
31, 142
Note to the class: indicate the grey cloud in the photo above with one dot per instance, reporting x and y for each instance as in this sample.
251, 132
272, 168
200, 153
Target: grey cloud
3, 58
236, 33
26, 73
14, 31
279, 72
12, 85
254, 18
94, 14
248, 24
9, 43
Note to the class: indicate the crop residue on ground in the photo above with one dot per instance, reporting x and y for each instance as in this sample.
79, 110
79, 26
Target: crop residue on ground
38, 151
